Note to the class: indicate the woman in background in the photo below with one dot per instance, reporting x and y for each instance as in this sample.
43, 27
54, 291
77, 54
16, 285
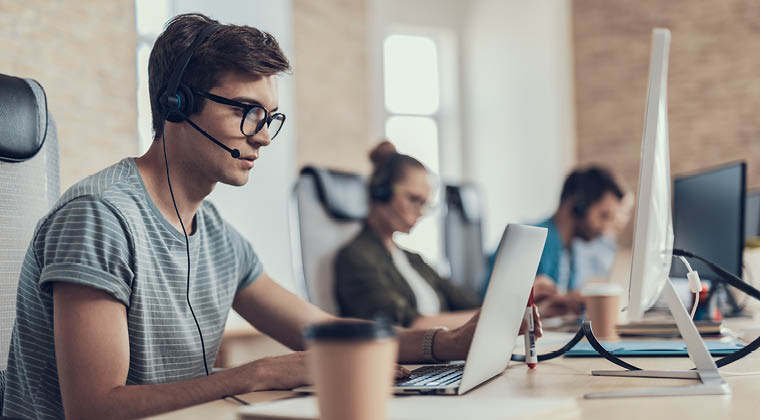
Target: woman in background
374, 276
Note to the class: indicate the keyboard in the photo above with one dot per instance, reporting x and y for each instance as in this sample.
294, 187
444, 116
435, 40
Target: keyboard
433, 376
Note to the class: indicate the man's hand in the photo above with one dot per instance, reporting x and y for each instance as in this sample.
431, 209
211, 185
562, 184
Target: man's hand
280, 372
538, 329
559, 305
289, 371
543, 287
454, 344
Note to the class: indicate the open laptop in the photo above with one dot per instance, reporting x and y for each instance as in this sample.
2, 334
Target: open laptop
500, 318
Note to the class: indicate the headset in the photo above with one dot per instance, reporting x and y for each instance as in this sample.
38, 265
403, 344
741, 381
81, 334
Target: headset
381, 190
586, 184
580, 205
176, 101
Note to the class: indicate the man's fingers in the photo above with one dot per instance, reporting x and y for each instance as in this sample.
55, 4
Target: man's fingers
537, 322
402, 372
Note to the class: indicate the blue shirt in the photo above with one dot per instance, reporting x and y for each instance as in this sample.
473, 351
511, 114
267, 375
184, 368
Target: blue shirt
593, 259
556, 260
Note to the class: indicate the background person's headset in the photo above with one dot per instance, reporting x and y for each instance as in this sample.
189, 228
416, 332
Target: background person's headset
381, 190
580, 205
579, 182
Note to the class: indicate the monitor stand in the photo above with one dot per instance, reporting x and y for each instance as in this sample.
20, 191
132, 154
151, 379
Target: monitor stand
711, 383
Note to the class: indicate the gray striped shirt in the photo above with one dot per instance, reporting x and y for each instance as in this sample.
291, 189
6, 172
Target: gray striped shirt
105, 232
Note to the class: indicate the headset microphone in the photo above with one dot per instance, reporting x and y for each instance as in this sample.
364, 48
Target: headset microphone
235, 153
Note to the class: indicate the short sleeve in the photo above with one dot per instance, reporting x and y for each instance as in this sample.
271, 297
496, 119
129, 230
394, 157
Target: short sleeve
86, 242
249, 264
548, 265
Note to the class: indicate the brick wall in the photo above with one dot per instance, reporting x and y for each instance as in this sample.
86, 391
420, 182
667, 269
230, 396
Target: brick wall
332, 83
83, 54
714, 82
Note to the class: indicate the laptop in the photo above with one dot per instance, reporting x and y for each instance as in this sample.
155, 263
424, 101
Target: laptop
498, 325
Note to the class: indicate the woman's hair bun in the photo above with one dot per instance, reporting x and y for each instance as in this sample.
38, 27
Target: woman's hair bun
382, 153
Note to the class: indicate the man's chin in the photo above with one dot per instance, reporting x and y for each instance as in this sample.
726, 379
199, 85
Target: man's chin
235, 181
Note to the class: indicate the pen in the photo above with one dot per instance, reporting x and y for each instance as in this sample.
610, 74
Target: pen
531, 357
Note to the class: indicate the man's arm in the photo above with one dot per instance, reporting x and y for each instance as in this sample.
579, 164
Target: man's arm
92, 354
277, 312
543, 287
283, 316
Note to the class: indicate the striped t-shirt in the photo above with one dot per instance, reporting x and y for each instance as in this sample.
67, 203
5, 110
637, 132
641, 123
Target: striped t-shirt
105, 232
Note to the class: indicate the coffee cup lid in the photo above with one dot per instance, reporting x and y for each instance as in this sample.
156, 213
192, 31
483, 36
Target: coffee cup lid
602, 289
349, 330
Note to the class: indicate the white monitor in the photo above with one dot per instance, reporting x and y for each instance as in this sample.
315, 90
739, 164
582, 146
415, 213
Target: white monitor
653, 231
653, 245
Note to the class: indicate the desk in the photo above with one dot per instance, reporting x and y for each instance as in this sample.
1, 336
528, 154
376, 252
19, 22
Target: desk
571, 377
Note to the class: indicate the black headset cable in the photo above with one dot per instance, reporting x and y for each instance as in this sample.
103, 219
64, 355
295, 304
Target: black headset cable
187, 248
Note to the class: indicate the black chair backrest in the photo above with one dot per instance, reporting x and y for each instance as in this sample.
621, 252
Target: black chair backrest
463, 236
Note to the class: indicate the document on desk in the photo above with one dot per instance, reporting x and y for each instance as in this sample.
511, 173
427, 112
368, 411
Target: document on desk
428, 407
651, 348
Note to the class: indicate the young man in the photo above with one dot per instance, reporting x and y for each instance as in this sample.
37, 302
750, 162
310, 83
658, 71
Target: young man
104, 326
590, 206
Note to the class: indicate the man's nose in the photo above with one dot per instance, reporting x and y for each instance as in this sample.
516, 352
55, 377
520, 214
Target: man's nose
261, 138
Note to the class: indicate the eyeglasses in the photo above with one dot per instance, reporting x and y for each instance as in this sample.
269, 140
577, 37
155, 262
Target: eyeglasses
416, 201
254, 116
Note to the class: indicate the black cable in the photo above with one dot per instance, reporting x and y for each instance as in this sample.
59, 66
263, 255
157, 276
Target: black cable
586, 331
557, 353
187, 247
727, 277
238, 400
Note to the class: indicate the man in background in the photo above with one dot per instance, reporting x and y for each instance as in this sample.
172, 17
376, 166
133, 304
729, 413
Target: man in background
590, 212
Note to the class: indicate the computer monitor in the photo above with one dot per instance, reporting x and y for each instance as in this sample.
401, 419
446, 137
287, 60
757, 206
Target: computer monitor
653, 229
752, 215
653, 245
708, 218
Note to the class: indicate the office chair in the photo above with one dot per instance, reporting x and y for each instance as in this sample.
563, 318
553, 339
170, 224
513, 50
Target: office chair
463, 236
29, 185
327, 210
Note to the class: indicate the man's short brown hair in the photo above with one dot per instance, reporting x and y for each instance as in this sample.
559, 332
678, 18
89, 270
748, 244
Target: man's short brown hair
231, 48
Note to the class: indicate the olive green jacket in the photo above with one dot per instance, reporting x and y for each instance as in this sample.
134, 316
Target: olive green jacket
368, 283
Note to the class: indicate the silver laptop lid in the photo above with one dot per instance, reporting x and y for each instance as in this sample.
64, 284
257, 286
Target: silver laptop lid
504, 306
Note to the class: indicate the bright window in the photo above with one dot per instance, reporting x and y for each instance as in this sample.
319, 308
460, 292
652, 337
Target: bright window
415, 136
411, 75
412, 101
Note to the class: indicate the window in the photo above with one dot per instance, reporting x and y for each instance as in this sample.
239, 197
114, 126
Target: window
412, 102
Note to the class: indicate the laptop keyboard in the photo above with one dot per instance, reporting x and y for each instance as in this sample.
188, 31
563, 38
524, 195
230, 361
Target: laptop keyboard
433, 376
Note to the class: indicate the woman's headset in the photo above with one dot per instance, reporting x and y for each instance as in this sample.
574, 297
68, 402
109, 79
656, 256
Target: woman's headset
381, 189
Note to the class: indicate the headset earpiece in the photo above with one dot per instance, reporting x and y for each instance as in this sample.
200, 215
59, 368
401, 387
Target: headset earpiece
176, 99
179, 106
380, 193
579, 210
382, 190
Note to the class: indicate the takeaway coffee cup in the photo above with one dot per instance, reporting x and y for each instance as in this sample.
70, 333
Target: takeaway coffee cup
352, 365
602, 302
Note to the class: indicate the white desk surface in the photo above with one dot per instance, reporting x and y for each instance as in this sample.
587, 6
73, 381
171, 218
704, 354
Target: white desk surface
571, 378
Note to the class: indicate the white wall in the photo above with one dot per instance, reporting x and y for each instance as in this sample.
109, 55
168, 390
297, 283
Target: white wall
519, 107
259, 209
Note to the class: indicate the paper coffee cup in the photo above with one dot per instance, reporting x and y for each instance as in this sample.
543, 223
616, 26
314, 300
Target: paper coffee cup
602, 302
352, 364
